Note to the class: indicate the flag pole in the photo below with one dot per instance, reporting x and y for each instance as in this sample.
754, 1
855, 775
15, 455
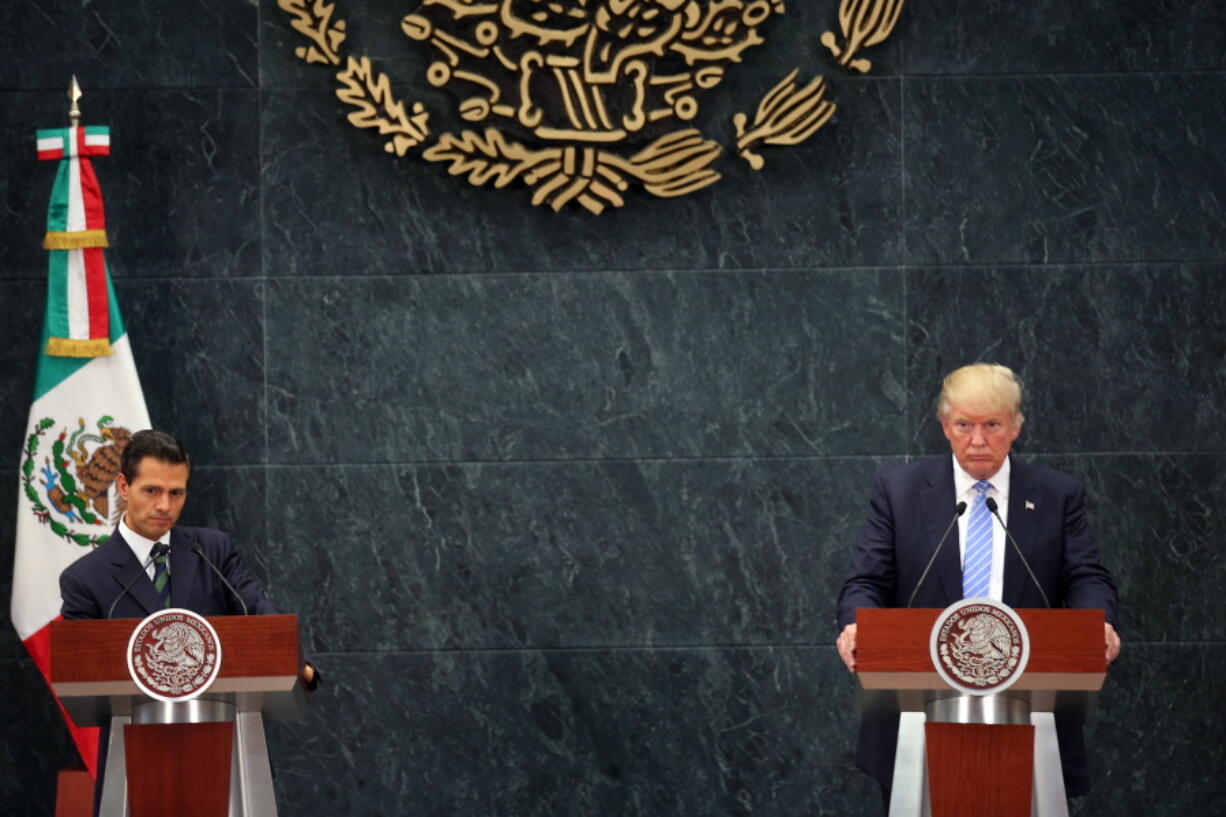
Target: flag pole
74, 95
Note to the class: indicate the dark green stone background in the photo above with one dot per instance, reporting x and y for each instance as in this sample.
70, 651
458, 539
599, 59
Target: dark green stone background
563, 501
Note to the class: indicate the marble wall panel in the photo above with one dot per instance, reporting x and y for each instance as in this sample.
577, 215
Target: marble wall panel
10, 645
1159, 523
1051, 36
1156, 745
1115, 358
546, 367
36, 743
336, 204
1064, 169
181, 186
19, 334
579, 734
125, 44
199, 349
584, 554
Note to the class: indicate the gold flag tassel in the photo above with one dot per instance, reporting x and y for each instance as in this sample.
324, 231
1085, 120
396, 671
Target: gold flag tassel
80, 240
70, 347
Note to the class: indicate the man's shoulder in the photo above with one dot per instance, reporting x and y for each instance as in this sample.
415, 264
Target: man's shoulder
97, 557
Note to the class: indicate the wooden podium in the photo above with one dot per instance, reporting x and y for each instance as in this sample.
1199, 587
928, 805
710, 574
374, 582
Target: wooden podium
206, 757
973, 755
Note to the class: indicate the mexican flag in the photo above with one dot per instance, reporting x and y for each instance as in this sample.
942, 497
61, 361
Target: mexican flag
87, 402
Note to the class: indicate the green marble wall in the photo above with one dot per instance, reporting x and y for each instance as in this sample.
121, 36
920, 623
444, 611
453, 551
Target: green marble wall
563, 501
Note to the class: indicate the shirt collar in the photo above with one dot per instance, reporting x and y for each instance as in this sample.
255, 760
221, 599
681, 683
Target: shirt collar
141, 547
964, 483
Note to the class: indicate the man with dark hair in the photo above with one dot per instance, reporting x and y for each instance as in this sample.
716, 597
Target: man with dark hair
154, 470
151, 443
152, 485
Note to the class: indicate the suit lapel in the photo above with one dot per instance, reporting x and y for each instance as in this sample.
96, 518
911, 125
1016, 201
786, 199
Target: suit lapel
183, 564
125, 568
1022, 525
938, 501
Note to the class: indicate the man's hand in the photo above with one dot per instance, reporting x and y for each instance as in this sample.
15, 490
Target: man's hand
847, 646
307, 674
1113, 643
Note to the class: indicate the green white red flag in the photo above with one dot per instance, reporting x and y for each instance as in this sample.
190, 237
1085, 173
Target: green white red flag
87, 401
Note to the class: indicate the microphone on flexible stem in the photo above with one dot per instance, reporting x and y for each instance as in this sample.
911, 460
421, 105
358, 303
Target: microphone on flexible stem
159, 549
992, 506
959, 509
199, 551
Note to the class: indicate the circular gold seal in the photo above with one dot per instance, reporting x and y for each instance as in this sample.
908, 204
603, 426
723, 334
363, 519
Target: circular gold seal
979, 646
174, 655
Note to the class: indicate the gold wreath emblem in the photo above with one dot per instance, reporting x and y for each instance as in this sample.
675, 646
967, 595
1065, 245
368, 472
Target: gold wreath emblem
582, 99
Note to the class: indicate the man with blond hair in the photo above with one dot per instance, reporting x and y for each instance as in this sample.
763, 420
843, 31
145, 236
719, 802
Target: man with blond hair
911, 505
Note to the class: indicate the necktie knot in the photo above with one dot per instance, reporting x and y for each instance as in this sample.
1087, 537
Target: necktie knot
982, 486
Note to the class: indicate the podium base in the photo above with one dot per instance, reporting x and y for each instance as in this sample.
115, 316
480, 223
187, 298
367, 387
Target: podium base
251, 790
912, 796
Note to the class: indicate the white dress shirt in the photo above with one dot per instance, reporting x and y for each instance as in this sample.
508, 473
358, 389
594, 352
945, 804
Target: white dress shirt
964, 491
141, 547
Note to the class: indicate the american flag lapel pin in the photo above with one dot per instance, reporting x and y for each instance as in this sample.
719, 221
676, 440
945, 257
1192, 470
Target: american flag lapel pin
1029, 505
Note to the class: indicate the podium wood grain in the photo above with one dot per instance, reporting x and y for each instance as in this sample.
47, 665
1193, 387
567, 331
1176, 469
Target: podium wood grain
1066, 649
180, 769
252, 647
74, 794
980, 770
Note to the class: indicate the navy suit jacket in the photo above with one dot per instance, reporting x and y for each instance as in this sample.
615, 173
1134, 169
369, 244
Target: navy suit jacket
91, 584
910, 507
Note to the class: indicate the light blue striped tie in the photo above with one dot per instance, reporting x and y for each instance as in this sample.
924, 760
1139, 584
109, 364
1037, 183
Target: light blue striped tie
977, 564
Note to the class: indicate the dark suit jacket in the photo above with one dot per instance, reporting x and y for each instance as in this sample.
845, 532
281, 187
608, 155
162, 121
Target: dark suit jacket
909, 509
91, 584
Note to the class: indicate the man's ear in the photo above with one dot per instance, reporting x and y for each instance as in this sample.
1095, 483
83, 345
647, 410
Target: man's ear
121, 483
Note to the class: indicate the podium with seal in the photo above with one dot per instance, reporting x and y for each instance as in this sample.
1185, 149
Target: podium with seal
186, 699
976, 688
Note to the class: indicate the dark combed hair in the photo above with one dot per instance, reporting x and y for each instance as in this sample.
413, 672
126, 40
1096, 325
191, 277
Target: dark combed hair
150, 443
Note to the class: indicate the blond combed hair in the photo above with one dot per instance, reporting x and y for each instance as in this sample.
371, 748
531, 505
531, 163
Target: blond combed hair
983, 388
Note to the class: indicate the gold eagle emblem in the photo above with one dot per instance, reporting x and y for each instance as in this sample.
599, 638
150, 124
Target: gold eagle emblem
582, 99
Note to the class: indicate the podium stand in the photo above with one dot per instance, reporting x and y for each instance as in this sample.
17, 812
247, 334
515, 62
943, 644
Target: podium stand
966, 755
206, 757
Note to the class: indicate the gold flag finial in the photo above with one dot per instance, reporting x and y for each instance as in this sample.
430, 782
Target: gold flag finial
74, 94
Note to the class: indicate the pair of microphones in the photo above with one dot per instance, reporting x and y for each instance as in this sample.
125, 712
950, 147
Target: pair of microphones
163, 549
960, 509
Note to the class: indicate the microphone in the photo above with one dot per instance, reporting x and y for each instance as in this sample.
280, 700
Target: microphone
199, 551
159, 549
992, 506
959, 509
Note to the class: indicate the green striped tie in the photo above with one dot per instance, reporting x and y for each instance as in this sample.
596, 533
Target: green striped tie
161, 577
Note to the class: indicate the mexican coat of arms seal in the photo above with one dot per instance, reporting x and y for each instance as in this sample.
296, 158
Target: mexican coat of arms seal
174, 655
979, 646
